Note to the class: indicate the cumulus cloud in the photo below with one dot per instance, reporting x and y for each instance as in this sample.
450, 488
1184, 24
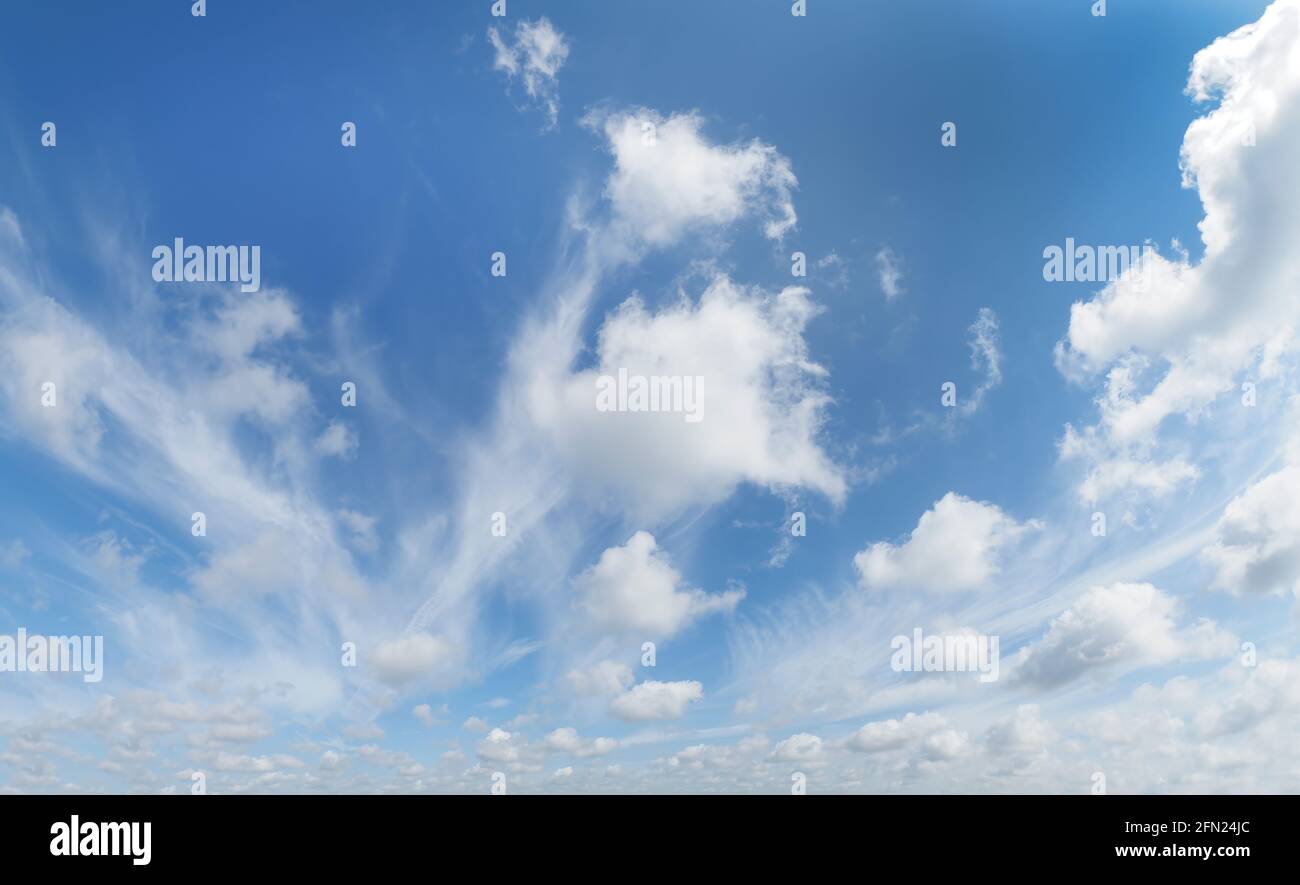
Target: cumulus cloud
894, 734
535, 54
635, 588
956, 545
1118, 626
604, 679
567, 740
1173, 334
761, 405
669, 179
656, 700
1257, 544
409, 657
1024, 734
802, 747
337, 441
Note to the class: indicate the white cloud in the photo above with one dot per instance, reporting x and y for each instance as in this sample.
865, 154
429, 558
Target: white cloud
761, 406
894, 734
656, 700
337, 441
424, 713
604, 679
669, 179
536, 54
476, 724
1025, 734
889, 272
985, 358
798, 748
567, 740
410, 657
1257, 544
635, 588
1180, 333
957, 545
1118, 626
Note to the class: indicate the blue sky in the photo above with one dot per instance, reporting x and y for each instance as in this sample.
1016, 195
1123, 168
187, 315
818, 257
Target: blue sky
521, 653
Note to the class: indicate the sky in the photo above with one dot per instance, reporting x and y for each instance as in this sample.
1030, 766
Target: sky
368, 521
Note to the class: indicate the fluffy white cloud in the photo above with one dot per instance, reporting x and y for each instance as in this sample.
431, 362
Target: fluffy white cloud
894, 734
956, 545
604, 679
567, 740
1024, 734
1176, 335
536, 54
1117, 626
656, 700
1257, 548
670, 179
337, 440
759, 400
798, 748
635, 588
410, 657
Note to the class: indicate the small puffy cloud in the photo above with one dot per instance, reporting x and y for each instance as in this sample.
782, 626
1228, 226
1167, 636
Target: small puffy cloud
504, 747
945, 746
410, 657
669, 179
474, 723
424, 714
635, 588
336, 441
797, 748
567, 740
894, 734
604, 679
1257, 544
1024, 734
956, 545
656, 700
1117, 626
535, 54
